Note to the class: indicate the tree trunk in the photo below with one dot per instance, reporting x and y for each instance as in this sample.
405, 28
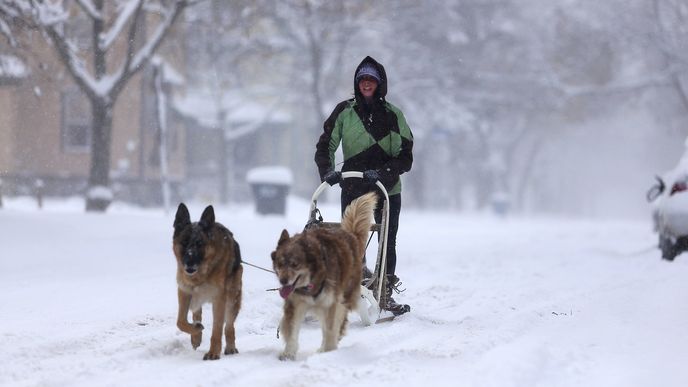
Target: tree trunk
161, 119
223, 156
526, 175
224, 168
99, 196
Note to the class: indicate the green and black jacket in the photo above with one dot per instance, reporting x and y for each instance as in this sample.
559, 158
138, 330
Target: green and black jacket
374, 136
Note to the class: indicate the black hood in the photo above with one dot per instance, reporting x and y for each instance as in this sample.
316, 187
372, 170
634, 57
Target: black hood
381, 91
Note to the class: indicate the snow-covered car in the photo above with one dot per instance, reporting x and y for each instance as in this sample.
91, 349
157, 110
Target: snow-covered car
669, 201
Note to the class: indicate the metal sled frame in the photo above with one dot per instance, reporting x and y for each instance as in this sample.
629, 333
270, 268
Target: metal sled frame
378, 279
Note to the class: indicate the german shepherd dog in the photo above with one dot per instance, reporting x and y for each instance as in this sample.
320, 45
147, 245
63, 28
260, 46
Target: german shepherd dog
320, 270
208, 270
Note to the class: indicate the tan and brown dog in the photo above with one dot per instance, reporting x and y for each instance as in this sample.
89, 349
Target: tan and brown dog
320, 270
208, 270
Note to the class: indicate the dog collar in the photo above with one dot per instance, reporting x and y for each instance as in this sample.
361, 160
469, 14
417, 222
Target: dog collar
322, 286
309, 288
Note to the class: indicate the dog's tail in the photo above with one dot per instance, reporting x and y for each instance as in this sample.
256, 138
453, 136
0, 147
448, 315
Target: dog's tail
358, 216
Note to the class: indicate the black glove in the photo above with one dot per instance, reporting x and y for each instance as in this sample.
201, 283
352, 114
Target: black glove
333, 177
371, 176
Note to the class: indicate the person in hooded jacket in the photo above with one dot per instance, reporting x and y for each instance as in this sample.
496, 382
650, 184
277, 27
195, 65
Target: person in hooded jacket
375, 139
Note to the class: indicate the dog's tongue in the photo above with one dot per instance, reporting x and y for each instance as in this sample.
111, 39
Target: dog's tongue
286, 290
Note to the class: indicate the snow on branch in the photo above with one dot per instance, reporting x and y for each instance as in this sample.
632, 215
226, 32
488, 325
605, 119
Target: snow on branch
9, 10
127, 10
40, 13
15, 11
51, 16
144, 54
5, 30
51, 13
74, 65
15, 8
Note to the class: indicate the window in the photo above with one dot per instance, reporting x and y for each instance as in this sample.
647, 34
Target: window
76, 122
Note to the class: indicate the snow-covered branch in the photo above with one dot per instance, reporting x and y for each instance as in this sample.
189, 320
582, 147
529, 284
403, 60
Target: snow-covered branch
50, 14
127, 10
5, 30
137, 60
17, 12
131, 39
74, 64
33, 12
13, 8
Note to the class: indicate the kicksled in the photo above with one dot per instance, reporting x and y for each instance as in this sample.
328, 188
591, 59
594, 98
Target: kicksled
372, 296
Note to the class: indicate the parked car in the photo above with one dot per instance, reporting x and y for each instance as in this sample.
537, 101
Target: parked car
668, 198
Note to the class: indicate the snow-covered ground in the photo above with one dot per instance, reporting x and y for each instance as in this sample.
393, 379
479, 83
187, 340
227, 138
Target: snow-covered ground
90, 300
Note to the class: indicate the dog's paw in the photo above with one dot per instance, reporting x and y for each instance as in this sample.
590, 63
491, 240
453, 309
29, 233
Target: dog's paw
287, 356
211, 356
196, 340
192, 329
327, 348
231, 351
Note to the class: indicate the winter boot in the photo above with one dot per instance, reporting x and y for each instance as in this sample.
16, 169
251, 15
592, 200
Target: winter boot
392, 284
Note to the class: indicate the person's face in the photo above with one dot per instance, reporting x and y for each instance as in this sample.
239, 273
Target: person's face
367, 86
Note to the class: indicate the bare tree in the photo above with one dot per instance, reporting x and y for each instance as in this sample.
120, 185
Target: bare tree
671, 18
476, 78
117, 22
225, 55
315, 34
313, 42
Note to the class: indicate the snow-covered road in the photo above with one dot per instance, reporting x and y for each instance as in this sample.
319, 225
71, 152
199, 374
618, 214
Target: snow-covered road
90, 300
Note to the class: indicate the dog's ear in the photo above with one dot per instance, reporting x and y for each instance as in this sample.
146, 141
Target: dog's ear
283, 237
207, 219
182, 218
273, 255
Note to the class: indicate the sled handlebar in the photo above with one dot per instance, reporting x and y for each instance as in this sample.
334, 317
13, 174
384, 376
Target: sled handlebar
345, 175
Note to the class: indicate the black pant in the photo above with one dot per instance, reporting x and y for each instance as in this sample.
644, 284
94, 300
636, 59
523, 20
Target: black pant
392, 226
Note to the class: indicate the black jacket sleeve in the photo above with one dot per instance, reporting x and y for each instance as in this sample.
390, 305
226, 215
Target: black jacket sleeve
322, 148
402, 163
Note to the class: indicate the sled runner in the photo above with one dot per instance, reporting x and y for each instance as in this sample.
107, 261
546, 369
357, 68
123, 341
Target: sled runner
372, 295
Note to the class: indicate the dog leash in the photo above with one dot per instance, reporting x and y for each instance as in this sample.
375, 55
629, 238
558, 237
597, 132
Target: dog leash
264, 269
258, 267
267, 290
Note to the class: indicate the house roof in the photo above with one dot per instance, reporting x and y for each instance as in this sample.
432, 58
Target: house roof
239, 108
